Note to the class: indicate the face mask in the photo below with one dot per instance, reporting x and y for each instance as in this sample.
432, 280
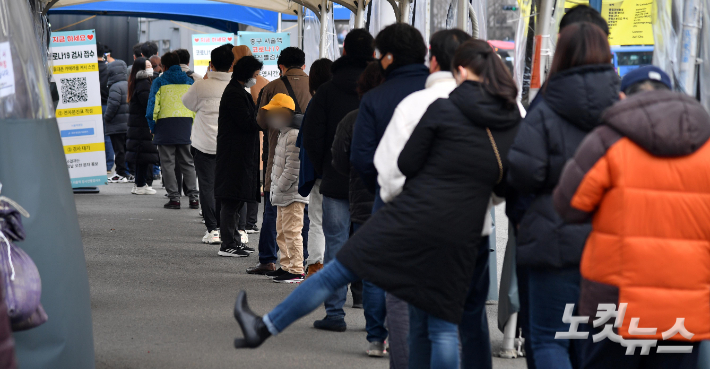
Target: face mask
149, 71
251, 82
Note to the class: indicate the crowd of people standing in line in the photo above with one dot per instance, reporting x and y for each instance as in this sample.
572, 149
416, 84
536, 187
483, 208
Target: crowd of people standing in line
586, 175
358, 154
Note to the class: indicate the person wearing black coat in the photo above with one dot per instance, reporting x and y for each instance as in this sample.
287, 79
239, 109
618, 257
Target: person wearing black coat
453, 161
237, 168
116, 115
140, 150
332, 101
548, 249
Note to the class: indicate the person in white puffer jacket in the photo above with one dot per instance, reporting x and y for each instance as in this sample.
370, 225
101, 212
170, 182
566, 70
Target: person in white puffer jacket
280, 115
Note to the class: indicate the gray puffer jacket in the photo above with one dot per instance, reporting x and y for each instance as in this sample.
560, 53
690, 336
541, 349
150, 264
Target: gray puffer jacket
284, 173
116, 114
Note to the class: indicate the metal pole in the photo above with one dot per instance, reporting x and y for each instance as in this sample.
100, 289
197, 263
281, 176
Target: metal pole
542, 37
360, 14
427, 22
299, 22
508, 350
278, 23
404, 11
474, 21
323, 29
462, 15
687, 73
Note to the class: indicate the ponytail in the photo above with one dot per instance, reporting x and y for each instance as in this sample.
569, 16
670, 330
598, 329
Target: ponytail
479, 57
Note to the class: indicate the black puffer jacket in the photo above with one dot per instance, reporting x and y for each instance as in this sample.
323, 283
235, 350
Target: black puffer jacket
332, 101
139, 140
116, 115
549, 136
361, 199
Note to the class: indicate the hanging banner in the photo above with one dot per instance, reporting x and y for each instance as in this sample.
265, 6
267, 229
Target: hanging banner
79, 114
266, 46
629, 20
202, 46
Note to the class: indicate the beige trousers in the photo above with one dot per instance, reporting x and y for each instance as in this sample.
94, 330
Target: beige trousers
289, 224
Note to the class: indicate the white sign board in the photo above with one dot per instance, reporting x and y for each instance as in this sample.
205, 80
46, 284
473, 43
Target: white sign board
202, 46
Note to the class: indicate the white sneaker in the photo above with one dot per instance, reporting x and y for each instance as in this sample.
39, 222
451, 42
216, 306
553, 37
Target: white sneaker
118, 179
211, 238
145, 190
245, 236
133, 190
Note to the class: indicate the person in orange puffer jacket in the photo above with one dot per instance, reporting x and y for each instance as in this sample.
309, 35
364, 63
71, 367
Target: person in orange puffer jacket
643, 178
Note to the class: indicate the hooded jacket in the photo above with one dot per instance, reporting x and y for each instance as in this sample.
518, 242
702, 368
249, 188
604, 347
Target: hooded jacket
169, 120
422, 246
203, 98
406, 117
571, 107
299, 82
284, 173
139, 140
333, 100
116, 115
643, 178
360, 199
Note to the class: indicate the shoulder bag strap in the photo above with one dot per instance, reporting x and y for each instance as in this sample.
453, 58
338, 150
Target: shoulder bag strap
292, 94
495, 150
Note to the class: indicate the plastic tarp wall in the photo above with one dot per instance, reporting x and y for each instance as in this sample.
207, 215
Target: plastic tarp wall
33, 171
311, 38
419, 14
704, 55
381, 15
522, 60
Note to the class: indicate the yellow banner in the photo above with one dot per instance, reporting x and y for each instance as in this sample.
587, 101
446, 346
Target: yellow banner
78, 149
76, 68
76, 112
202, 63
629, 20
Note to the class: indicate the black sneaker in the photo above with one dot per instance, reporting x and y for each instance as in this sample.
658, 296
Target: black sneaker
289, 278
234, 253
131, 178
247, 248
276, 273
252, 229
172, 204
194, 204
331, 324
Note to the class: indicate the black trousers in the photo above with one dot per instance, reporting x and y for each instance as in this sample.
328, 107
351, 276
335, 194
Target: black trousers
205, 165
118, 142
229, 218
247, 217
144, 175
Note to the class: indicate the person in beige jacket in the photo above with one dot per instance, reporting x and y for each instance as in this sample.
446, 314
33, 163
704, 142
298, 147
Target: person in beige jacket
290, 205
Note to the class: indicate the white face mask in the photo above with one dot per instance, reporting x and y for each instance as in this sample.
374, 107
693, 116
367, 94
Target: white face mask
251, 82
149, 71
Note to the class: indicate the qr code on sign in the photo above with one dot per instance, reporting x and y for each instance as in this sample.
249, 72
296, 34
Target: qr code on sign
73, 90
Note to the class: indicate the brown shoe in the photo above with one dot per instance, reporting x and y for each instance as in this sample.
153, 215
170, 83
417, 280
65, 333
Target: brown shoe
262, 268
313, 268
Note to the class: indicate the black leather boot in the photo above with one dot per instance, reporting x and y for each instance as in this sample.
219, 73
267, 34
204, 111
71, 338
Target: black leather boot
253, 328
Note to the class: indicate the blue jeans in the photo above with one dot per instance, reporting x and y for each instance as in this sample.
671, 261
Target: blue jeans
549, 291
267, 238
336, 229
433, 342
373, 302
309, 295
475, 337
109, 153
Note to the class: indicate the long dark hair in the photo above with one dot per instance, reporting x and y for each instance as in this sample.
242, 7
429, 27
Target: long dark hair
138, 65
580, 44
320, 73
370, 78
479, 57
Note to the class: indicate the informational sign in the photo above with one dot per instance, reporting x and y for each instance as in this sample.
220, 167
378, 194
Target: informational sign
202, 46
79, 115
7, 74
266, 46
629, 20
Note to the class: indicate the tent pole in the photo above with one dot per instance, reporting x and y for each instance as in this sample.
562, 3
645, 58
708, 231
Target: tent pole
323, 28
689, 46
299, 23
360, 14
404, 11
278, 23
462, 15
474, 21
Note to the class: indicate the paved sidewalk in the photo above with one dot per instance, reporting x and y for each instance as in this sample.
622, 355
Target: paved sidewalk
162, 299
